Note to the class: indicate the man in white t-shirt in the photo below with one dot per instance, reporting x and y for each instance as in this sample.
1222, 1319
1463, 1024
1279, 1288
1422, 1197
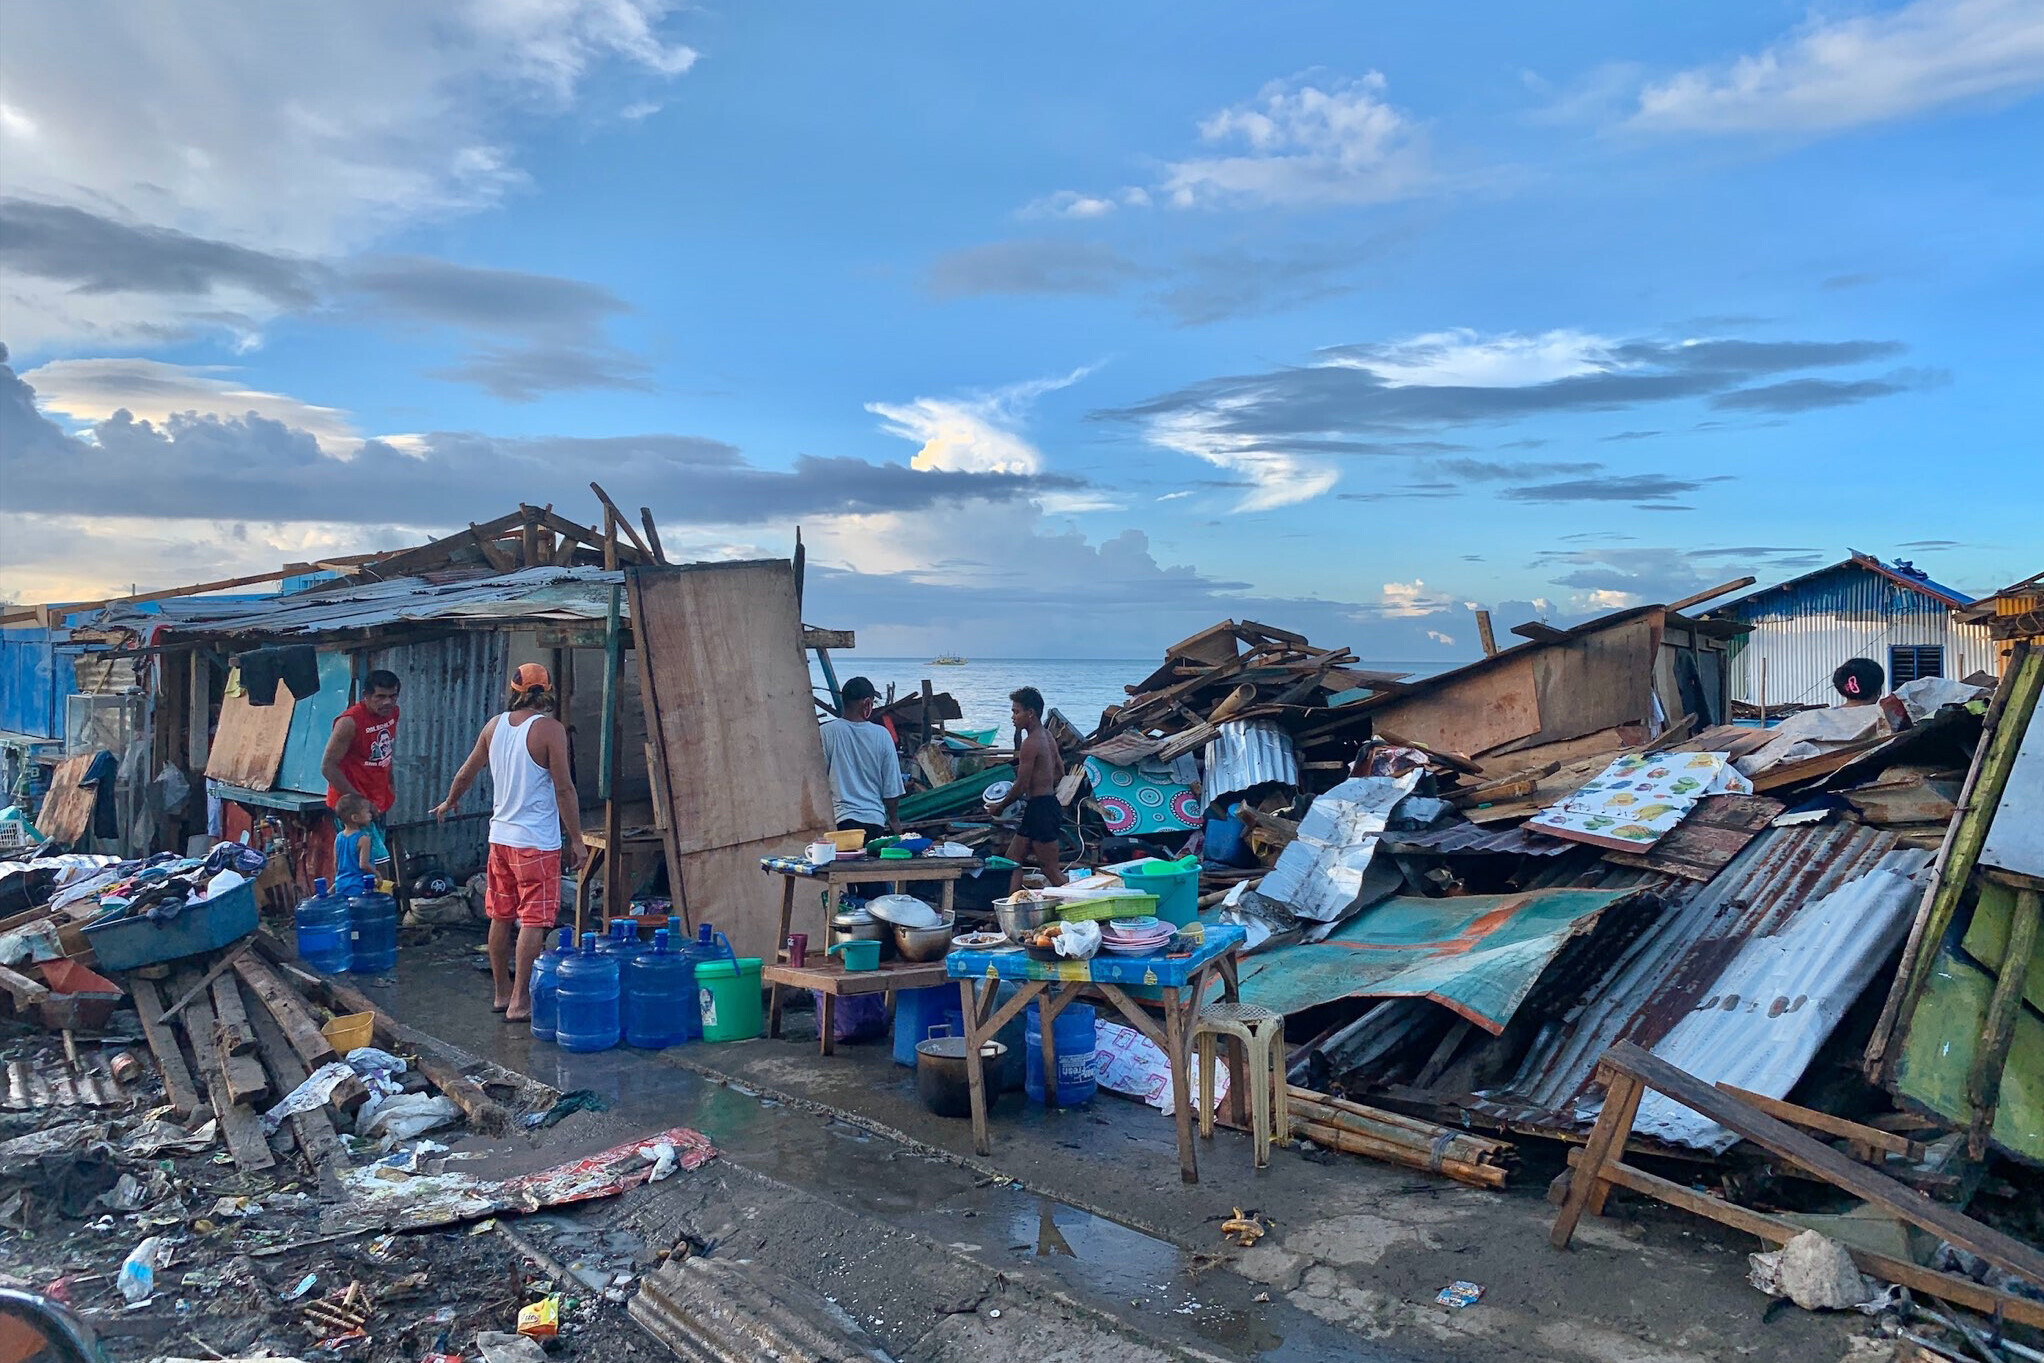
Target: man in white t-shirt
865, 770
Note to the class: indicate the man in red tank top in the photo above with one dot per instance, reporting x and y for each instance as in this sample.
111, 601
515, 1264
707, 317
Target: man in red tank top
359, 751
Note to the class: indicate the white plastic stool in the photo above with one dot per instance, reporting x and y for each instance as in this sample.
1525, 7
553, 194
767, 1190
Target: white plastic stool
1261, 1033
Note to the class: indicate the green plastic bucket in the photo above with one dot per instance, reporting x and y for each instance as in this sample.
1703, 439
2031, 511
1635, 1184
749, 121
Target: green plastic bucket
1175, 883
729, 994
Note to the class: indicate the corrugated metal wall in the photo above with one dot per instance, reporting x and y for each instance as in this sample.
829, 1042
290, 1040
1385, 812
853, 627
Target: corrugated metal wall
451, 686
1804, 633
30, 697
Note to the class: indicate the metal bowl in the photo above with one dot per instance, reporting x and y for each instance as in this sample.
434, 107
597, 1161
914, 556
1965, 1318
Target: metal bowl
923, 944
1017, 917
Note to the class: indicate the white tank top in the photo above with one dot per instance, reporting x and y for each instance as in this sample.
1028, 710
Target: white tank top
526, 813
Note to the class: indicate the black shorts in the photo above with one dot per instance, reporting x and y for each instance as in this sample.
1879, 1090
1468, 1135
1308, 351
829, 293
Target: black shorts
1042, 816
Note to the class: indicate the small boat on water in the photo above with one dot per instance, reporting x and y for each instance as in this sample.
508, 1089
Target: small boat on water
948, 660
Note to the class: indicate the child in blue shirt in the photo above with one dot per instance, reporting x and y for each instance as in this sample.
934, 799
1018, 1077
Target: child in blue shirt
354, 847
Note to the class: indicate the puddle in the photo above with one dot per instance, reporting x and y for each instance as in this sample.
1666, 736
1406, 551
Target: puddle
1121, 1271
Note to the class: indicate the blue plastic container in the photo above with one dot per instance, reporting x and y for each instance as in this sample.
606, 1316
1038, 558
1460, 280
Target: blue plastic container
545, 986
125, 943
1224, 843
586, 1000
918, 1013
325, 935
622, 941
1076, 1071
372, 925
707, 945
660, 997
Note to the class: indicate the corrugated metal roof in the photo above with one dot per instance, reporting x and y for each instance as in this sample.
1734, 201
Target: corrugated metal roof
1319, 875
1248, 753
1676, 962
1779, 998
561, 593
1909, 577
1458, 839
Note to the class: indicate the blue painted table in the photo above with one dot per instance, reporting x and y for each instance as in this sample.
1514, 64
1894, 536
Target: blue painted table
1182, 980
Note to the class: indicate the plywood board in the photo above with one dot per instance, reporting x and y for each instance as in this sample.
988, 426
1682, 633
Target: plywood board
1597, 681
249, 743
2015, 840
67, 808
727, 889
1470, 714
727, 693
1717, 830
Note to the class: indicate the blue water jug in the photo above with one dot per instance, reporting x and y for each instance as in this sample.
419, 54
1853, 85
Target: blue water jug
325, 938
707, 945
622, 941
586, 999
1076, 1071
545, 986
660, 996
372, 924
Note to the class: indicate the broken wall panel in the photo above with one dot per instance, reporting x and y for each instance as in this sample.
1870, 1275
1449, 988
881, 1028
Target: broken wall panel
249, 743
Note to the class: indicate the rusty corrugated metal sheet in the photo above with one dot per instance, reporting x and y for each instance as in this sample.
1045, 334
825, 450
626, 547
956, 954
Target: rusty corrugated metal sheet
1248, 753
1672, 966
451, 686
533, 593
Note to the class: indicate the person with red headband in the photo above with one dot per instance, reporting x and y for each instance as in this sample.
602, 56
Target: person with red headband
1862, 681
535, 830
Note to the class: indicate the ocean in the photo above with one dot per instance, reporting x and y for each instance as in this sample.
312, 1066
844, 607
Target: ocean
1080, 687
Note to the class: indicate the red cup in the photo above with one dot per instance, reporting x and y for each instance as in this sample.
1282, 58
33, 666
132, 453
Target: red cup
798, 948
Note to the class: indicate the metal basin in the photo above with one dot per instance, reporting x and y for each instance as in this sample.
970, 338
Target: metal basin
923, 944
1018, 918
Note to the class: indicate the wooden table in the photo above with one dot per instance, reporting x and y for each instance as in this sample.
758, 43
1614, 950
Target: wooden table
833, 981
597, 843
830, 877
1184, 981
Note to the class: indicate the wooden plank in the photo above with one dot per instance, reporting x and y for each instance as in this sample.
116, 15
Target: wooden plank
230, 1026
206, 981
1621, 1103
1471, 713
1828, 1164
1698, 598
1596, 680
1997, 1032
1789, 1112
1717, 830
289, 1010
27, 993
238, 1124
318, 1145
249, 742
812, 637
728, 703
486, 1116
1963, 1291
178, 1089
66, 815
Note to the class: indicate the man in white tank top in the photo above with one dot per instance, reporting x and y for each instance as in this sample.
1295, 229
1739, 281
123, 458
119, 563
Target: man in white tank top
526, 750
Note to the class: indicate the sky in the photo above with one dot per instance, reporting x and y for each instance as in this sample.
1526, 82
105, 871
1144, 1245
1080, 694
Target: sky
1059, 330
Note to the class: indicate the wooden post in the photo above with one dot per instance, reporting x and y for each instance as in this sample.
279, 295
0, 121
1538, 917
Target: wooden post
606, 776
928, 734
1763, 692
1622, 1093
1483, 632
199, 725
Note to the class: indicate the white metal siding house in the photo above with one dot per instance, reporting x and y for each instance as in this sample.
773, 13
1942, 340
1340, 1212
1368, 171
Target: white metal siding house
1860, 608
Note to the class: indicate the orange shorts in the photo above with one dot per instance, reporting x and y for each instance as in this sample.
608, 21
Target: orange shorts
523, 884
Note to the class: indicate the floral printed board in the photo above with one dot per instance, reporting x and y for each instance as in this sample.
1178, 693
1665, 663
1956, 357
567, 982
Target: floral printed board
1640, 798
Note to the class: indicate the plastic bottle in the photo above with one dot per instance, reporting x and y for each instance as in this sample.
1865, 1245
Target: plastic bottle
325, 933
373, 926
660, 993
586, 999
545, 986
137, 1277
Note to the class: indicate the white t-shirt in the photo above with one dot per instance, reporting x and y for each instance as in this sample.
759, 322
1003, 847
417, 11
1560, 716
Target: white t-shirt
865, 772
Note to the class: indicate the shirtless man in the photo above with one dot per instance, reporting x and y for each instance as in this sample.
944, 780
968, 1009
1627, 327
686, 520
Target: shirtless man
1037, 769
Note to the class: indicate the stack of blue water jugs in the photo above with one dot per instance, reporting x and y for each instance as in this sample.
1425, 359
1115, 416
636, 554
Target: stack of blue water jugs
614, 988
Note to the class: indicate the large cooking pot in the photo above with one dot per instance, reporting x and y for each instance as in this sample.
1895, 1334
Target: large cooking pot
923, 944
940, 1073
860, 926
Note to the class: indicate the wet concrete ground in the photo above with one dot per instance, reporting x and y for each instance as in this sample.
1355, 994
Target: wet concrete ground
833, 1174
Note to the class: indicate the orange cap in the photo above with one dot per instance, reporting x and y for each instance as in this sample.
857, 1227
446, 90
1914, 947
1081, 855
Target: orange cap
531, 677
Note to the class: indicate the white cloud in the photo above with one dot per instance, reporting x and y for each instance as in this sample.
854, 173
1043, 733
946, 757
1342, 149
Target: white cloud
1461, 358
1304, 143
1407, 600
1276, 477
1867, 68
1607, 600
1446, 640
309, 130
93, 390
1300, 142
977, 433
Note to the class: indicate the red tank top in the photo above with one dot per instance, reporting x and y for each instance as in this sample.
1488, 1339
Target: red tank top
367, 761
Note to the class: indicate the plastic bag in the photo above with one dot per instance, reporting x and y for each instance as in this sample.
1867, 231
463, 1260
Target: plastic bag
1079, 941
138, 1270
407, 1116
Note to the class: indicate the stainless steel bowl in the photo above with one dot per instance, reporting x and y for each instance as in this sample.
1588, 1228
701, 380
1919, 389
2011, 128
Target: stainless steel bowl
1016, 919
923, 944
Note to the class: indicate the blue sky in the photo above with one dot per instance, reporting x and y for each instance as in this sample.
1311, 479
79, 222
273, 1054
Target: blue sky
1058, 329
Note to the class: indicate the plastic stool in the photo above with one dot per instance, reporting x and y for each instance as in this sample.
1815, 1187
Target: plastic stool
1261, 1033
